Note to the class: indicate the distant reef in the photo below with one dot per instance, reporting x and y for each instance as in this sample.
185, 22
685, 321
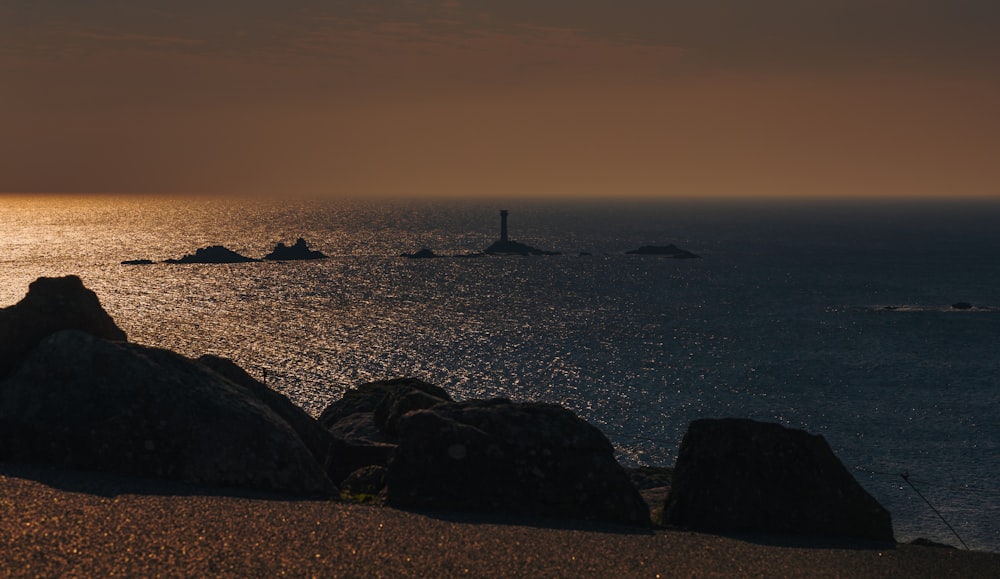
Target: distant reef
298, 251
507, 247
221, 254
213, 254
663, 251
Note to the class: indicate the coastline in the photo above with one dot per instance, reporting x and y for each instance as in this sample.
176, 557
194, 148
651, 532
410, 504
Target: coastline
57, 522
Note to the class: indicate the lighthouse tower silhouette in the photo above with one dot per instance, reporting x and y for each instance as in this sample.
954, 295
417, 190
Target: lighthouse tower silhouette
503, 225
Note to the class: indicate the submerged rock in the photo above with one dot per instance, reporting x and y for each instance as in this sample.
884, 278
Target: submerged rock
737, 475
961, 306
213, 254
83, 402
666, 251
51, 304
502, 247
501, 456
298, 251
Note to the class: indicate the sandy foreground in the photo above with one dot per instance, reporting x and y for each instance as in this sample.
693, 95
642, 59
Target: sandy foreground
69, 524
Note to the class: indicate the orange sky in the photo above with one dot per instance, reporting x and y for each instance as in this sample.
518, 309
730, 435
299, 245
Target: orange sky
502, 99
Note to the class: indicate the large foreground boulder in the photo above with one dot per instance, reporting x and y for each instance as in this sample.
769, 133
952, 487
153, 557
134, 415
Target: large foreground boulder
737, 475
82, 402
51, 304
501, 456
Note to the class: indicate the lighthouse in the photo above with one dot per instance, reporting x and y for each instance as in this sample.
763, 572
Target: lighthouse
503, 225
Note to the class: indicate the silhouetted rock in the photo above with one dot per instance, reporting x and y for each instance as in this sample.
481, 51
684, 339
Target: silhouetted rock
500, 456
961, 306
213, 254
364, 419
137, 262
51, 304
422, 254
367, 398
83, 402
736, 475
298, 251
666, 251
314, 436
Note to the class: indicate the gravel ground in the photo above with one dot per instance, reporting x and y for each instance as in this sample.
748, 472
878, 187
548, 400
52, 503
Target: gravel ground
70, 524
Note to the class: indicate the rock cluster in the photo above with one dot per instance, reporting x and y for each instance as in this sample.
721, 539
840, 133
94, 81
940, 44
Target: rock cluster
75, 392
213, 254
222, 254
299, 251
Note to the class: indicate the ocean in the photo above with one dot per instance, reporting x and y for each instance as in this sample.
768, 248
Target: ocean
833, 317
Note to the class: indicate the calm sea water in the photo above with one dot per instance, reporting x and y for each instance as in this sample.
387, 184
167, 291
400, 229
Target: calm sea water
785, 319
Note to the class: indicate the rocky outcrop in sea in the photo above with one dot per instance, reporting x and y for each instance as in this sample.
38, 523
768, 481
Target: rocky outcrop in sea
299, 251
213, 254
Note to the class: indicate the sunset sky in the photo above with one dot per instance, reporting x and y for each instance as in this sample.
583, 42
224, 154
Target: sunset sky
635, 98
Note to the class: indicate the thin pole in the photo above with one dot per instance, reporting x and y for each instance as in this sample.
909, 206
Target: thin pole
906, 477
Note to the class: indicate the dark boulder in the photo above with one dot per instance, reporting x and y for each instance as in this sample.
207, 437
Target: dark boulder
51, 304
665, 251
315, 437
358, 421
137, 262
300, 250
82, 402
213, 254
500, 456
737, 475
401, 400
961, 306
367, 398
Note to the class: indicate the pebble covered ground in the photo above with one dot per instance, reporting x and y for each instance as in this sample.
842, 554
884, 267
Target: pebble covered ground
70, 524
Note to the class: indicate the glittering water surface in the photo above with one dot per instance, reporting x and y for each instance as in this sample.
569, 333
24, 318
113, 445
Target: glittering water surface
785, 319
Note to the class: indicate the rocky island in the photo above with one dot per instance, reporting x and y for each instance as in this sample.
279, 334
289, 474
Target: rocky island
299, 251
213, 254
